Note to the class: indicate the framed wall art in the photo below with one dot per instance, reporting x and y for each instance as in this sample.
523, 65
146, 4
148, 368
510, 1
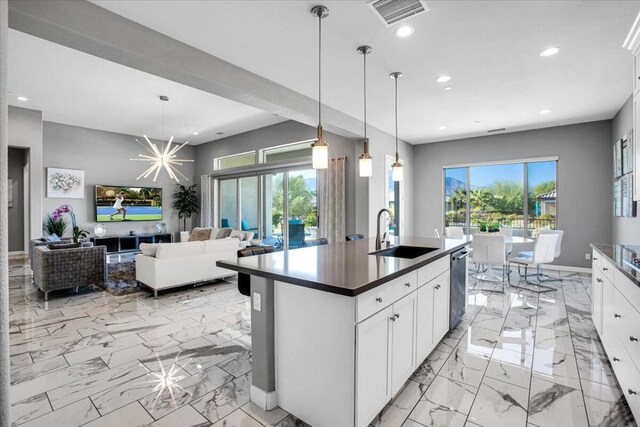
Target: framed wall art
65, 183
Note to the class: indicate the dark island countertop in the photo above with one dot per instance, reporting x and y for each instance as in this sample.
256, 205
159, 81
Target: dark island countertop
344, 268
619, 255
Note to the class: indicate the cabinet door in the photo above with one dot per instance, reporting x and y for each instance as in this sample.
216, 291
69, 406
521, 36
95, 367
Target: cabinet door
596, 300
373, 350
424, 323
610, 315
403, 353
440, 306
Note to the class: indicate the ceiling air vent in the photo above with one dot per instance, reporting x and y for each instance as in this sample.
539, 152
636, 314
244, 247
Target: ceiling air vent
392, 11
496, 130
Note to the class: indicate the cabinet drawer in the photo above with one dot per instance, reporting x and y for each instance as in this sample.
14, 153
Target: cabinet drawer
628, 376
607, 269
383, 296
630, 290
433, 270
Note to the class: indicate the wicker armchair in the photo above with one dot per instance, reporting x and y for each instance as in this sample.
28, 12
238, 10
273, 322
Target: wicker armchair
68, 268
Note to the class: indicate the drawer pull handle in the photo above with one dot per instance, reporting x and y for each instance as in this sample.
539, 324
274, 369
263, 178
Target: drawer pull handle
632, 392
605, 269
632, 339
379, 299
615, 359
408, 285
437, 287
599, 280
595, 259
616, 315
394, 317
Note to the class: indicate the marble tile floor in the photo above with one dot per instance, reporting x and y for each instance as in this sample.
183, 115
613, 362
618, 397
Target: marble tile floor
90, 358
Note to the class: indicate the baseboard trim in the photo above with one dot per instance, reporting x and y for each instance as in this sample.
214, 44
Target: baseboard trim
266, 400
566, 268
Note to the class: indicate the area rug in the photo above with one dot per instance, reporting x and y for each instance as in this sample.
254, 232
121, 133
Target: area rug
121, 278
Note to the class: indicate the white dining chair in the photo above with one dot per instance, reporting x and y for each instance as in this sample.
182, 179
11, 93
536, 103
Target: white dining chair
489, 252
557, 250
454, 232
543, 253
508, 235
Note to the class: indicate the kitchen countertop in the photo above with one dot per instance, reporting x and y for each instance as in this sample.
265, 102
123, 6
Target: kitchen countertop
344, 268
617, 254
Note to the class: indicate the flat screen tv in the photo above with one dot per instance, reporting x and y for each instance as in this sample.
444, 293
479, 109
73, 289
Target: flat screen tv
117, 203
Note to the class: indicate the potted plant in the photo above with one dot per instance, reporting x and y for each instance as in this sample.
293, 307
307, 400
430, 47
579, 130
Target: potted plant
55, 225
185, 201
489, 227
77, 232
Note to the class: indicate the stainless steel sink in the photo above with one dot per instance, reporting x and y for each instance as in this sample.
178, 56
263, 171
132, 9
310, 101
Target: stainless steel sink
408, 252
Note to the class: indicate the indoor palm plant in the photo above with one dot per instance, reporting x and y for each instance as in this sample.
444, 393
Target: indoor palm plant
185, 201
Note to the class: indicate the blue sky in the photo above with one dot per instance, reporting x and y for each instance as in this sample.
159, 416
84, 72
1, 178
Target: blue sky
482, 176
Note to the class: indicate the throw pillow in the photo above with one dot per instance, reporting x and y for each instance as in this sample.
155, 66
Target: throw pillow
214, 233
240, 235
200, 234
64, 246
224, 233
149, 249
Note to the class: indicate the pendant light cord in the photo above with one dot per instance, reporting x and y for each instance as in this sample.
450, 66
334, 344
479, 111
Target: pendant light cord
162, 139
365, 94
319, 68
396, 79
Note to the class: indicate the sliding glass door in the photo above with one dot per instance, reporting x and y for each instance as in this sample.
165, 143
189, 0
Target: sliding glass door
519, 195
265, 203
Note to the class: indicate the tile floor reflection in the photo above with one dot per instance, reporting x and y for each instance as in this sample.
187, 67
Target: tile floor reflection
90, 358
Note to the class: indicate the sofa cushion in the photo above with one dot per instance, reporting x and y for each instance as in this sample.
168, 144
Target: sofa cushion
149, 249
224, 233
237, 234
179, 250
200, 234
64, 246
214, 233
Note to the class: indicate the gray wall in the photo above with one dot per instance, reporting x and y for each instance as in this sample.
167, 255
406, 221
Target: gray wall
583, 178
17, 160
625, 230
104, 157
25, 131
286, 133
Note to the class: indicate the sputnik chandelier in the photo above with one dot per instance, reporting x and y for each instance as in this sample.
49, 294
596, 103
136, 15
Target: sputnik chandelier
164, 157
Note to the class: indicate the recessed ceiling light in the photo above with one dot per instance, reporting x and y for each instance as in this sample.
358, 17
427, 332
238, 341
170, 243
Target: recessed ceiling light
404, 31
447, 88
545, 111
22, 98
443, 79
196, 133
550, 51
219, 133
477, 121
442, 127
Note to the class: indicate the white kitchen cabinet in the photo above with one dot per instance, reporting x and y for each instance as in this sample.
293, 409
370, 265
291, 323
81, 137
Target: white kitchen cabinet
596, 299
403, 336
424, 322
373, 343
441, 306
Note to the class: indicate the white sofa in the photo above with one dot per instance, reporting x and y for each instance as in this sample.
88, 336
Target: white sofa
177, 264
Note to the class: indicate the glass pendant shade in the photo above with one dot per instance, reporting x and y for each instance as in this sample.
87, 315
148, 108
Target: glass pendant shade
397, 172
320, 156
366, 166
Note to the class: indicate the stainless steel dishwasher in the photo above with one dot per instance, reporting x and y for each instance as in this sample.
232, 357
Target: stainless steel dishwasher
458, 291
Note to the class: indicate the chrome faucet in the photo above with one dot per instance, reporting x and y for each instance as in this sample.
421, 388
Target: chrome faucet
378, 240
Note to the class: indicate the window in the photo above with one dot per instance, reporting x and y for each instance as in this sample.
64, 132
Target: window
392, 198
484, 197
234, 161
296, 151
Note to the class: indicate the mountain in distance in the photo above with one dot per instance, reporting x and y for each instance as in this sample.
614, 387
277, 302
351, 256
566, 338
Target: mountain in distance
451, 185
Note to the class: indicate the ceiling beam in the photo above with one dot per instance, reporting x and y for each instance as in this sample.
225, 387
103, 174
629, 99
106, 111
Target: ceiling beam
84, 26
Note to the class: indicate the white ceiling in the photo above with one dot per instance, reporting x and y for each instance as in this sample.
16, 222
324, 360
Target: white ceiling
78, 89
490, 48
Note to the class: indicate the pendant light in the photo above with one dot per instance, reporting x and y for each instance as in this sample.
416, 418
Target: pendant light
320, 149
366, 162
162, 158
397, 171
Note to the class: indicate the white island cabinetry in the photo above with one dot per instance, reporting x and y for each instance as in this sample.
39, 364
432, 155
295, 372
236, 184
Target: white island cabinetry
355, 353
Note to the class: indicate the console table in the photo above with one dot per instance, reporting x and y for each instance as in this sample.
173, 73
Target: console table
129, 243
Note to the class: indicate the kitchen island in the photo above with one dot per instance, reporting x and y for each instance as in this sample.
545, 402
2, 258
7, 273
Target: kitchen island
338, 329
